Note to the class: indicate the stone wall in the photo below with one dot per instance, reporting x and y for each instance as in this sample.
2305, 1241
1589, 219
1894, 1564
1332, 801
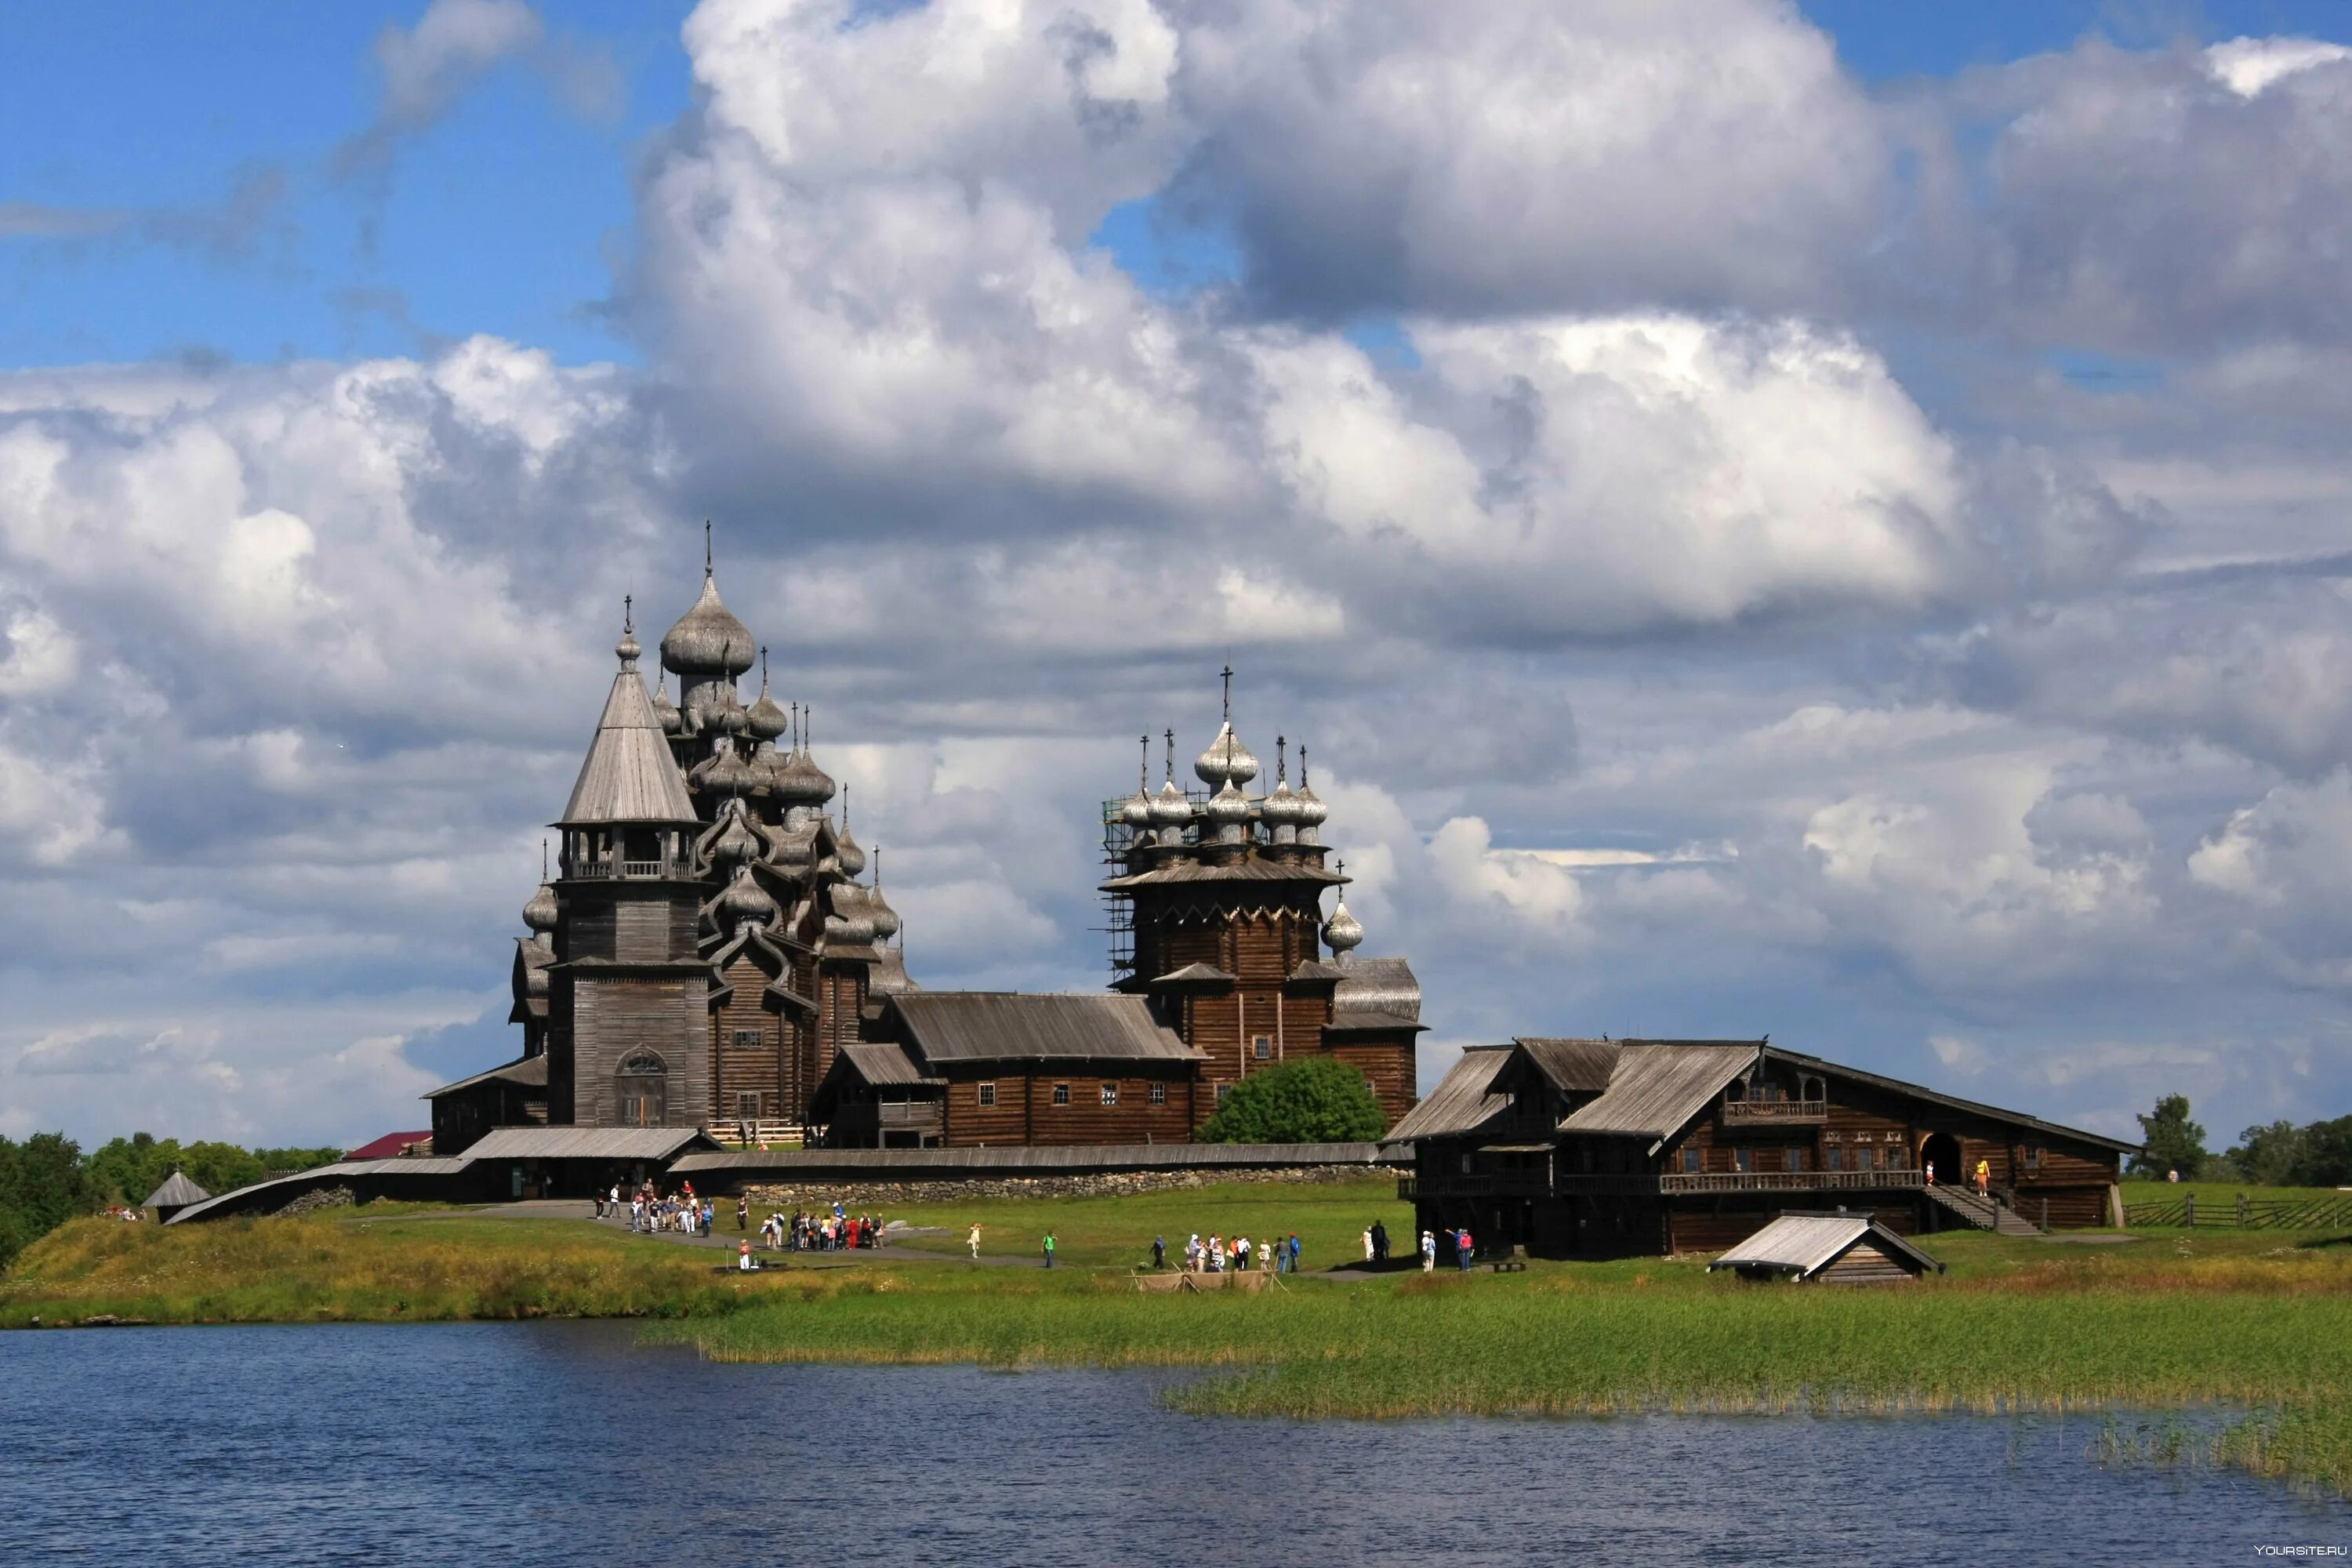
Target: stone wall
819, 1193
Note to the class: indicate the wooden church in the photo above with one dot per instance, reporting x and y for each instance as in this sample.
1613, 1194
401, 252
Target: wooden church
708, 952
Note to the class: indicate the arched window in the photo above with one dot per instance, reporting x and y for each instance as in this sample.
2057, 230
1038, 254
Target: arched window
642, 1087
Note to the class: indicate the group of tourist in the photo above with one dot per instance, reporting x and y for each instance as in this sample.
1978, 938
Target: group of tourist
1268, 1255
834, 1231
1465, 1250
650, 1210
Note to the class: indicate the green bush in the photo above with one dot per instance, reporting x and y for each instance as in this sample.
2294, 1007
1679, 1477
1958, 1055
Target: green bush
1315, 1101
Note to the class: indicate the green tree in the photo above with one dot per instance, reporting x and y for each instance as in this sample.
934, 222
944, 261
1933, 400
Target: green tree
2326, 1158
2268, 1156
1312, 1100
41, 1187
2169, 1141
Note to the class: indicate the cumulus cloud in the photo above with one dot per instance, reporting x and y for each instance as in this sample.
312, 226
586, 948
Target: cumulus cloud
1674, 657
1693, 153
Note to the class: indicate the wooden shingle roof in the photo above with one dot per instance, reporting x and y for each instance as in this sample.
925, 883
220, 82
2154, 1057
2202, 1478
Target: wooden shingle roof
1463, 1101
1804, 1245
629, 774
1574, 1066
176, 1192
1658, 1085
1011, 1026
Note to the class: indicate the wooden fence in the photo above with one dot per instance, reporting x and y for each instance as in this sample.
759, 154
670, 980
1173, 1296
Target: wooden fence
2243, 1214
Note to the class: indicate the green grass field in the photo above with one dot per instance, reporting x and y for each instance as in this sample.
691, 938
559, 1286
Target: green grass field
2219, 1196
1329, 1217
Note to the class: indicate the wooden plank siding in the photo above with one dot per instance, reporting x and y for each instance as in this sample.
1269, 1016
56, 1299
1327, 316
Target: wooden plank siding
760, 1069
1024, 1112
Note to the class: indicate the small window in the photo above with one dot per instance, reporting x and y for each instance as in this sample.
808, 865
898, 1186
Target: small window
1061, 1094
988, 1094
1691, 1161
1743, 1159
747, 1106
748, 1040
1896, 1158
2033, 1156
1834, 1158
1223, 1089
1865, 1159
1158, 1094
1110, 1094
1262, 1047
1801, 1159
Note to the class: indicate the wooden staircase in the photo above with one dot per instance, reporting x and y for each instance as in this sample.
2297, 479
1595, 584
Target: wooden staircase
1984, 1214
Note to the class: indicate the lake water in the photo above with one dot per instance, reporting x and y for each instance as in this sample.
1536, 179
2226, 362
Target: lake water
566, 1443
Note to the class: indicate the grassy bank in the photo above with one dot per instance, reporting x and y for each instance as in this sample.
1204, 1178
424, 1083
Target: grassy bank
392, 1265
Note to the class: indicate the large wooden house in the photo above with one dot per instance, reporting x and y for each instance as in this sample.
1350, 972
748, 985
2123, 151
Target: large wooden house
708, 954
1594, 1148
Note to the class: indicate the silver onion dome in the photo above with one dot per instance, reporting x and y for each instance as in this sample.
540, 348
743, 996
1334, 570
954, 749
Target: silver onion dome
736, 843
672, 721
1312, 811
744, 899
1227, 760
1343, 932
724, 772
850, 924
541, 913
1229, 813
708, 639
885, 918
846, 853
764, 718
800, 781
723, 709
1170, 810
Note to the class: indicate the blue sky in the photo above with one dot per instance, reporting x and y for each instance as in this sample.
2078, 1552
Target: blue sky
509, 215
1830, 521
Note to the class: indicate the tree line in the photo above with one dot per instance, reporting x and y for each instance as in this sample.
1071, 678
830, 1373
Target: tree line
2280, 1154
47, 1180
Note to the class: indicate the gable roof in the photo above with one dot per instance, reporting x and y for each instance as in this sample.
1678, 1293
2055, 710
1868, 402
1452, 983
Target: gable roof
389, 1146
176, 1192
629, 774
883, 1063
1804, 1245
999, 1026
1574, 1066
1463, 1100
1897, 1085
527, 1072
1657, 1086
587, 1142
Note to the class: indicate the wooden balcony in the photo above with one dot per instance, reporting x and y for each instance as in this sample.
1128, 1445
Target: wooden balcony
604, 867
1775, 1112
1680, 1182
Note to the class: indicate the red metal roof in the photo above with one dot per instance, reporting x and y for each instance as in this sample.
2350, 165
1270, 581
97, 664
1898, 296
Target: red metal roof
388, 1146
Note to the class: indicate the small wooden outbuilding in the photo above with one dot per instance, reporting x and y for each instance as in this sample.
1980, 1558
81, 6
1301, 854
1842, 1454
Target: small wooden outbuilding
176, 1193
1843, 1249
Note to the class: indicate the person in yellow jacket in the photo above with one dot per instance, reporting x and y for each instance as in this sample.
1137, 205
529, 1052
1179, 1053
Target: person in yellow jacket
1984, 1179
